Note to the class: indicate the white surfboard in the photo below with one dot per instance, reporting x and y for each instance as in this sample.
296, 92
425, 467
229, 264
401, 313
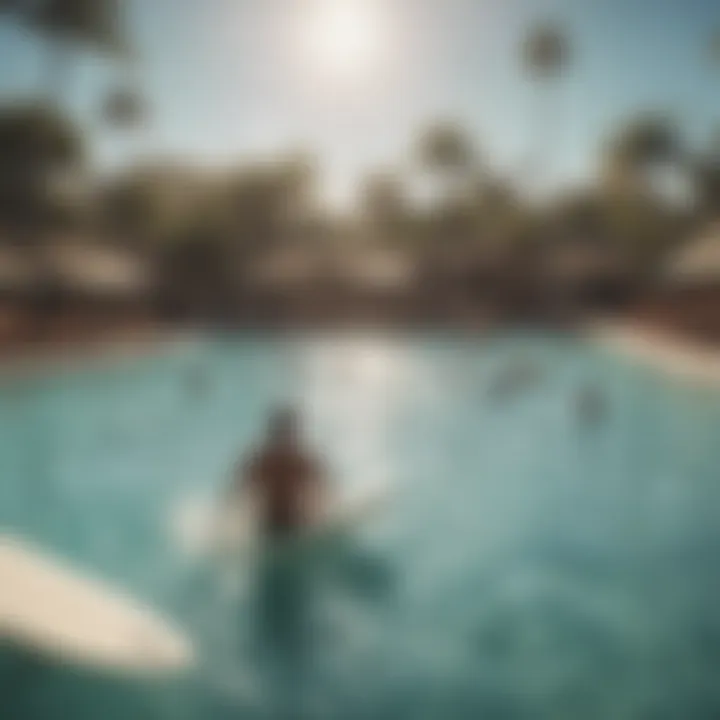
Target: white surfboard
51, 608
204, 528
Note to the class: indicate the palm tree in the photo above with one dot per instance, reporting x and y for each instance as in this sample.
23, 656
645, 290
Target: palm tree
446, 152
37, 146
706, 166
69, 24
545, 54
123, 107
66, 25
640, 148
449, 158
637, 159
94, 24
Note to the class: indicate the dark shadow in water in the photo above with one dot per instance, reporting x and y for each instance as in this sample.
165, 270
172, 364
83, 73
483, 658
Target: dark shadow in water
197, 382
38, 688
292, 631
591, 406
365, 575
518, 377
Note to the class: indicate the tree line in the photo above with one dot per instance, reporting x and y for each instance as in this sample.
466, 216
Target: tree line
649, 194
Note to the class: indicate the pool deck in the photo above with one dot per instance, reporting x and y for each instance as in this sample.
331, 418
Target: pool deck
694, 362
70, 357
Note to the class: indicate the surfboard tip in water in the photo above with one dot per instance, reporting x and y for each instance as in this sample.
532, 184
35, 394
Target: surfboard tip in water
55, 610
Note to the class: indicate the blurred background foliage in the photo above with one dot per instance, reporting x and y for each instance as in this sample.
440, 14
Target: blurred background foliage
215, 237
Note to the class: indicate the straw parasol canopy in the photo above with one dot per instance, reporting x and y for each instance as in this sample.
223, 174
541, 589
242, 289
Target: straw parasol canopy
698, 263
88, 268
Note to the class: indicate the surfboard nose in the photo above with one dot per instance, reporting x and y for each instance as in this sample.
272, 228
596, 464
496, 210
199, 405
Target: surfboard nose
57, 610
158, 649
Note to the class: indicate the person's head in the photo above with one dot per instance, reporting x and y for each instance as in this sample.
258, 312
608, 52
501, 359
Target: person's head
284, 426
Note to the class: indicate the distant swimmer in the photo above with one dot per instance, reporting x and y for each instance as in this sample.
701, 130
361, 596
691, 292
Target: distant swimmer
198, 381
590, 405
284, 477
519, 376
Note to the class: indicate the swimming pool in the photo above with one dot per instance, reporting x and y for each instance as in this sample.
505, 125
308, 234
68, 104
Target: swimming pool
531, 565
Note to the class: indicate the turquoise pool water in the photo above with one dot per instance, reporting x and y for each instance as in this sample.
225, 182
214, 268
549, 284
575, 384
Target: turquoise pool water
531, 565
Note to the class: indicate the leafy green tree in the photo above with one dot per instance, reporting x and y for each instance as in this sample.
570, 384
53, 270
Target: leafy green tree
385, 209
645, 144
123, 107
66, 25
151, 206
448, 157
39, 152
445, 148
446, 152
196, 276
706, 176
268, 204
639, 155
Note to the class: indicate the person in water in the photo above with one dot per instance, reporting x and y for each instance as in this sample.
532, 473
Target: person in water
284, 477
590, 405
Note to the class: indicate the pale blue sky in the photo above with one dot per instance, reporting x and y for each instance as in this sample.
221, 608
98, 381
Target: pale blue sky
225, 80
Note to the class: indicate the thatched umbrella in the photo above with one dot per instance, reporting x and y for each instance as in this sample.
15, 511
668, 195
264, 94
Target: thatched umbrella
96, 271
698, 262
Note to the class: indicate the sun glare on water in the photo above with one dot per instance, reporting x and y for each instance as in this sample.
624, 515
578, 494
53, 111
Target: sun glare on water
344, 40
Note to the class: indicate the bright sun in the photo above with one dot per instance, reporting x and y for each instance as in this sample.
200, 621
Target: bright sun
344, 39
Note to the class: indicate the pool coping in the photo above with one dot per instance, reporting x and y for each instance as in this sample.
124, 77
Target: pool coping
691, 361
78, 357
683, 358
